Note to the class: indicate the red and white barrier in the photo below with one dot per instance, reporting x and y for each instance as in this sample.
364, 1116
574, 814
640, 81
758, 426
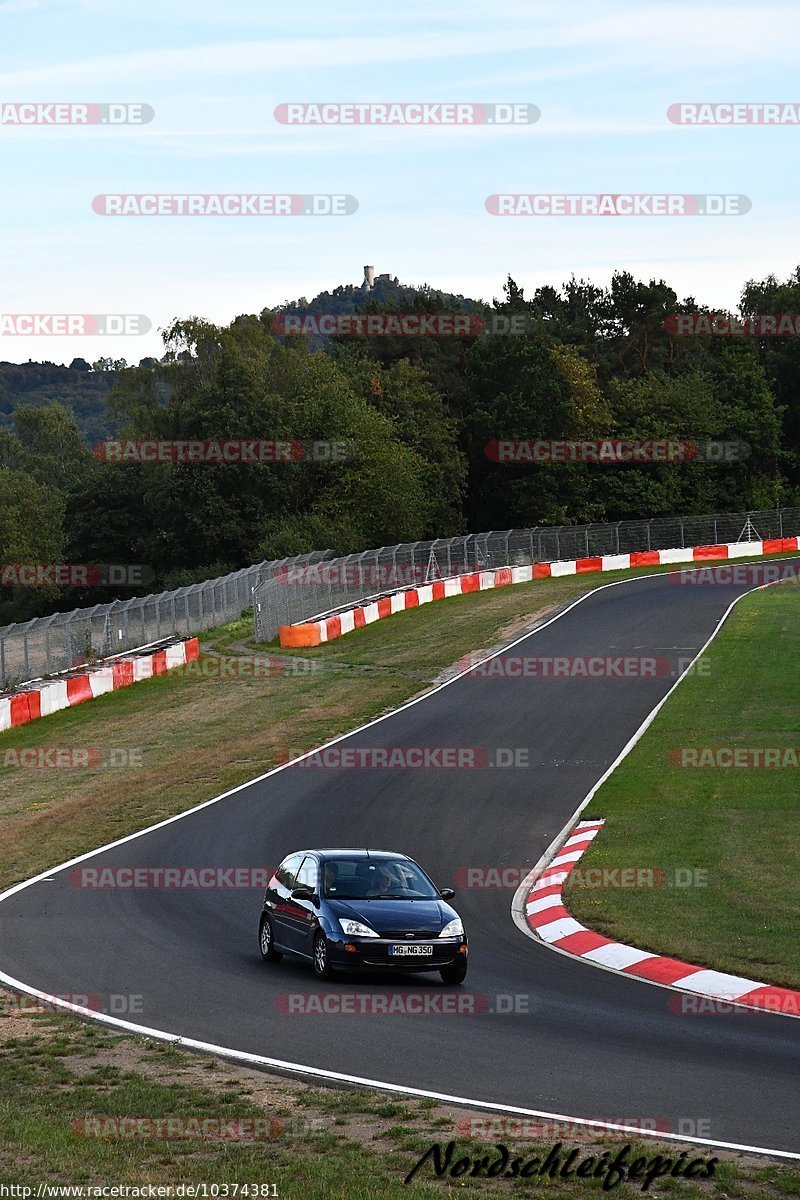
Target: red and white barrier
313, 633
550, 920
55, 694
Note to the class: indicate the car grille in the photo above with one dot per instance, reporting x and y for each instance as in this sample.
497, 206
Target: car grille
408, 935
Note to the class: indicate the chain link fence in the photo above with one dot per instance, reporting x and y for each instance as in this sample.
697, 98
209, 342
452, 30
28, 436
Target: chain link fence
288, 590
300, 592
49, 645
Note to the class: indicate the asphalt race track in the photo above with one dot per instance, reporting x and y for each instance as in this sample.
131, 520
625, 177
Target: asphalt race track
591, 1044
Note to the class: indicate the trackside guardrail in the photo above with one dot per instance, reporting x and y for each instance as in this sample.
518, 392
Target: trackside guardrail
302, 592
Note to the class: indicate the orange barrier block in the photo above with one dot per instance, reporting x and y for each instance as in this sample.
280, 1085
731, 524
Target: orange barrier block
302, 635
710, 552
588, 564
502, 576
645, 558
541, 571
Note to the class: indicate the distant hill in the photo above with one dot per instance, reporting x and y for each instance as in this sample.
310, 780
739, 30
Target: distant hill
385, 292
83, 391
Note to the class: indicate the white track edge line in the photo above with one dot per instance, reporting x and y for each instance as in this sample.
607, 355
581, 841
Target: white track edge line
259, 1060
318, 1072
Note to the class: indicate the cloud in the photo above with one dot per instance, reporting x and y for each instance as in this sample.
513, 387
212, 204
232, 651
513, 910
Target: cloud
633, 36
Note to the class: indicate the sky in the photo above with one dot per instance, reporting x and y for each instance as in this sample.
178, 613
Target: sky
602, 75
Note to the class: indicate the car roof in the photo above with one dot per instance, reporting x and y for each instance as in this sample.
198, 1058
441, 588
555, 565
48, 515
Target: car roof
350, 852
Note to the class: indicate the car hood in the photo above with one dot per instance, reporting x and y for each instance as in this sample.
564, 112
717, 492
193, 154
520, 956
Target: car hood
385, 915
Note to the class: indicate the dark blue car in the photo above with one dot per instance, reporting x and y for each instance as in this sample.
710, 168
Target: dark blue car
361, 910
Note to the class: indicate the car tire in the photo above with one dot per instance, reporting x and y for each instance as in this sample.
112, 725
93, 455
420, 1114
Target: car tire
321, 957
455, 972
266, 941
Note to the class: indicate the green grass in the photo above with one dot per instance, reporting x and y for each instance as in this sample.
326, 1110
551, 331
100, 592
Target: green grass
738, 825
233, 729
321, 1144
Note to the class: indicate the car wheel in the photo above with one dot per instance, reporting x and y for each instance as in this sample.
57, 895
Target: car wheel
266, 941
455, 972
322, 961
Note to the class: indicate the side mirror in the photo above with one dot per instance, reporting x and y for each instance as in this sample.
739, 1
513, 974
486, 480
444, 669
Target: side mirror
447, 893
302, 893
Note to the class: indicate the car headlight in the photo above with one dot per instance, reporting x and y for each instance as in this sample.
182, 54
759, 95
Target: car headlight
355, 928
453, 929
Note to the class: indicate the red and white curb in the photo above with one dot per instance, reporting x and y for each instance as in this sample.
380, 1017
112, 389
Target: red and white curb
315, 632
549, 919
55, 694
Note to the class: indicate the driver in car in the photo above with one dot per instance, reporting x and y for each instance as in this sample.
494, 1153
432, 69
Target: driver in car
386, 883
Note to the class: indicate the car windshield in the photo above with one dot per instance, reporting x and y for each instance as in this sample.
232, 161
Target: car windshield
375, 879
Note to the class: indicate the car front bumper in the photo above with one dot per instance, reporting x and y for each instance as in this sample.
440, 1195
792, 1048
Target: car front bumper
372, 954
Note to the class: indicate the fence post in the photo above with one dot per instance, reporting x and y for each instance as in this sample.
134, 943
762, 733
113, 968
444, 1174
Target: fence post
780, 522
715, 531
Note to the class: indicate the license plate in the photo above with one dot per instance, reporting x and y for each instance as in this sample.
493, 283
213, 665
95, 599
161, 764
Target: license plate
412, 949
